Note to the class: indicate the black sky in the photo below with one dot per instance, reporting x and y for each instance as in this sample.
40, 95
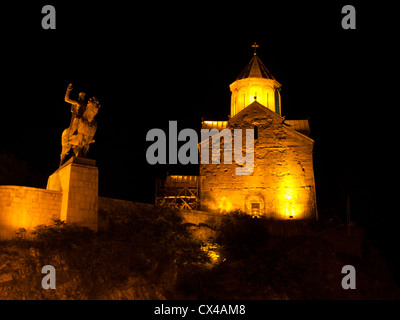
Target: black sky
149, 64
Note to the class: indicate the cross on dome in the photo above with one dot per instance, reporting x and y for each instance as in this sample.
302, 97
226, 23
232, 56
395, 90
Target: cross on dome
255, 46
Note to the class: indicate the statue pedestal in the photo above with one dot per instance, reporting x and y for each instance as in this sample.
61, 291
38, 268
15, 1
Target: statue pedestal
78, 179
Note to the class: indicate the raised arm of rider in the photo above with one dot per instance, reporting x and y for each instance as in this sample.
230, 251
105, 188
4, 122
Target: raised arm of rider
68, 99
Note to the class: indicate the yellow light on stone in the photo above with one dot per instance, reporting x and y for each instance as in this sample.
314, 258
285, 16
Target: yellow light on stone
288, 197
282, 185
225, 205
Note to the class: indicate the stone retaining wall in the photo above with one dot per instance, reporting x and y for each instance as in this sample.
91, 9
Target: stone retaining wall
25, 208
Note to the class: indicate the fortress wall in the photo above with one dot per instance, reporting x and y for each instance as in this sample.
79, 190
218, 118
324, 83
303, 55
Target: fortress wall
25, 207
197, 217
115, 209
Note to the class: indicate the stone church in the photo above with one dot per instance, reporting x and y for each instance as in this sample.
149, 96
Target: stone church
281, 184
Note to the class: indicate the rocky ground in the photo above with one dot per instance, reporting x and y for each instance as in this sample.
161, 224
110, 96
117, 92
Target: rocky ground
154, 256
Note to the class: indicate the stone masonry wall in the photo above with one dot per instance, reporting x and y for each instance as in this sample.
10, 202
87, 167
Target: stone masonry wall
25, 207
115, 209
282, 182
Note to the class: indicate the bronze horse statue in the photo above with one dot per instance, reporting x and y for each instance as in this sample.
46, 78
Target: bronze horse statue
80, 133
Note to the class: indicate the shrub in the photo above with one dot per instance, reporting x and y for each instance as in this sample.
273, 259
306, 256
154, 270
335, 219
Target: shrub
241, 235
154, 245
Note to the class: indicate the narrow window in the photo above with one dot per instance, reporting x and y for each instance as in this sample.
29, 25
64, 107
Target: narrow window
255, 208
277, 107
255, 132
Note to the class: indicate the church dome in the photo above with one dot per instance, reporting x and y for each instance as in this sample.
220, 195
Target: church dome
255, 83
255, 69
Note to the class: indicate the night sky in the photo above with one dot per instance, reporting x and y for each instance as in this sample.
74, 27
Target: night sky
149, 64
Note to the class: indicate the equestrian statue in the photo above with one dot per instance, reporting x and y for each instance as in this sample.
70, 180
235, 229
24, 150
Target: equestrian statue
83, 126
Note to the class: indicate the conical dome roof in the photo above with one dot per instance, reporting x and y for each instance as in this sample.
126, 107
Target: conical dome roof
255, 69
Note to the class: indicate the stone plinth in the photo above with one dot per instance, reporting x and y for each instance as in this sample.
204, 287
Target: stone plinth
78, 179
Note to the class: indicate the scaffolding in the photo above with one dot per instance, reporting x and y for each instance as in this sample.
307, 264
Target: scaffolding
181, 192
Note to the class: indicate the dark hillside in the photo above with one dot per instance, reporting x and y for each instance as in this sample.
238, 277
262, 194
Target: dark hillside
152, 255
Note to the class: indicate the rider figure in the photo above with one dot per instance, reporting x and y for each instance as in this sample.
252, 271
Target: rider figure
81, 131
77, 108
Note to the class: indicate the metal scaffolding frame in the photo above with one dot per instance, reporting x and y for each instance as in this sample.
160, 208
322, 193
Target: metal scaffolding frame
181, 192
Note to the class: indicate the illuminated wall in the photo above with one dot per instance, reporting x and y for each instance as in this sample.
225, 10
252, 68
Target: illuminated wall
282, 183
24, 207
71, 195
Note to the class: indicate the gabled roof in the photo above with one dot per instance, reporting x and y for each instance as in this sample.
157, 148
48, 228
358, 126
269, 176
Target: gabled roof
255, 69
254, 106
292, 127
301, 126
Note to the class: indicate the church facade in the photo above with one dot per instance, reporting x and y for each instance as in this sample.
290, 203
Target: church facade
281, 183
